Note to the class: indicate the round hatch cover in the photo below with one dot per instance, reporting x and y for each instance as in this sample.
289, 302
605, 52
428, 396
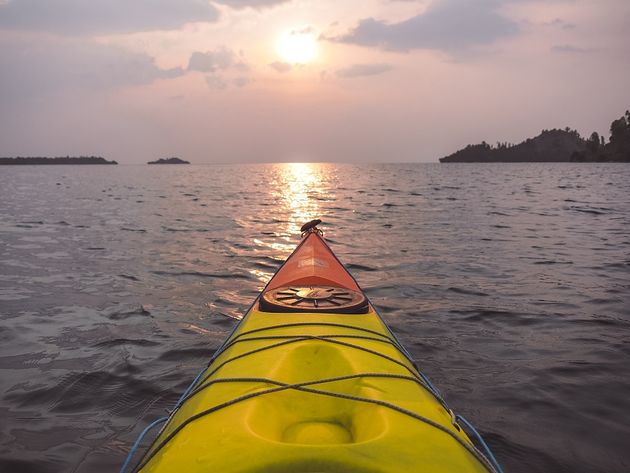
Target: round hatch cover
314, 299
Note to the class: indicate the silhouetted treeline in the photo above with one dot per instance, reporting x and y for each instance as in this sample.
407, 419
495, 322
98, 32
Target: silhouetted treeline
617, 149
57, 160
553, 146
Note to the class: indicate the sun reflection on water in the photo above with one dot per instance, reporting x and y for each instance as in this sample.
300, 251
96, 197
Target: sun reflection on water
296, 191
302, 185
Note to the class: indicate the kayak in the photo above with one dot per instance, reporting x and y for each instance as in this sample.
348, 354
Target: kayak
313, 380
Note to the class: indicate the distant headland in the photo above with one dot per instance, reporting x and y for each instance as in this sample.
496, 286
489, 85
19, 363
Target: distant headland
59, 160
169, 161
553, 146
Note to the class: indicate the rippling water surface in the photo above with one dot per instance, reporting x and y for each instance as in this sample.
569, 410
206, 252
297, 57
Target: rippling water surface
510, 284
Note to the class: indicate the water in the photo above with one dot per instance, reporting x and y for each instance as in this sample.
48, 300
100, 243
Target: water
510, 284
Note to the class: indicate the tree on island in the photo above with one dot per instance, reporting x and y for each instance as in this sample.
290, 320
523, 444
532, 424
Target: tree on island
617, 148
620, 132
593, 143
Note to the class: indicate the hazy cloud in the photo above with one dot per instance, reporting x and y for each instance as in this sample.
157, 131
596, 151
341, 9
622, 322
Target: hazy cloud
361, 70
219, 65
559, 23
212, 61
241, 81
281, 67
568, 49
251, 3
31, 69
305, 30
445, 25
77, 17
216, 82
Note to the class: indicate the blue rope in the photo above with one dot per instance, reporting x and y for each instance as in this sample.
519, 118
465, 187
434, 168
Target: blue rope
489, 454
189, 388
435, 390
136, 444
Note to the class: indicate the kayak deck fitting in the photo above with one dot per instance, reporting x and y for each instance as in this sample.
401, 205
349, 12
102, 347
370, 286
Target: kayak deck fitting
312, 380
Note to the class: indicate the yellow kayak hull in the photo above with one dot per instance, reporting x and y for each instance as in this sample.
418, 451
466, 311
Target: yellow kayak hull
292, 430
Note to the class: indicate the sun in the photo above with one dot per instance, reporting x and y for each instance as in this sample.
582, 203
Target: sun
297, 46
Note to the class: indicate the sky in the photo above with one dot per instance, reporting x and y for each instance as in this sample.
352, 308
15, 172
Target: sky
304, 80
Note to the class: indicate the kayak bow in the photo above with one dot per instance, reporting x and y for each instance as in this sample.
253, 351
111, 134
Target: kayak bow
312, 380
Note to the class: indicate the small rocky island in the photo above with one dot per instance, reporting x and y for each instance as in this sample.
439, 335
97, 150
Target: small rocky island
58, 160
169, 161
553, 146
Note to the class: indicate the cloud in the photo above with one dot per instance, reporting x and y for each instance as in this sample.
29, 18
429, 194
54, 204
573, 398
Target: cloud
447, 25
252, 3
219, 65
219, 82
212, 61
281, 67
91, 17
35, 68
558, 22
568, 49
305, 30
241, 81
216, 82
362, 70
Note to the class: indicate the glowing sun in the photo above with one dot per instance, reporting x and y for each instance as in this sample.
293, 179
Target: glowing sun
297, 46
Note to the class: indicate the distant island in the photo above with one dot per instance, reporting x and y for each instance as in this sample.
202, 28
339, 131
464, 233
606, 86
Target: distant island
59, 160
553, 146
169, 161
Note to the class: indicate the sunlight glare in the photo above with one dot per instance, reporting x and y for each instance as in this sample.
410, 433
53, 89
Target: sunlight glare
297, 191
297, 47
303, 182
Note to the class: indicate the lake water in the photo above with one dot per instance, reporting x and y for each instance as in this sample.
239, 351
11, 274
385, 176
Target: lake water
509, 284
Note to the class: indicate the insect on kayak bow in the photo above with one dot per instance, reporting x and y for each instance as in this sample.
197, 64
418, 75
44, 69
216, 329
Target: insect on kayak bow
312, 380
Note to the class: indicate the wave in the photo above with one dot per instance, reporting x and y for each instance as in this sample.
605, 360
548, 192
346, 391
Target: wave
201, 274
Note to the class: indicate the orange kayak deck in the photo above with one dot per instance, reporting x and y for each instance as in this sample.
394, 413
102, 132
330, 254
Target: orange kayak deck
313, 264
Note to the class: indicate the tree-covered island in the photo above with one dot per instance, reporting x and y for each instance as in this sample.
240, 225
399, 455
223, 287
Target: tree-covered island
30, 160
554, 146
172, 160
